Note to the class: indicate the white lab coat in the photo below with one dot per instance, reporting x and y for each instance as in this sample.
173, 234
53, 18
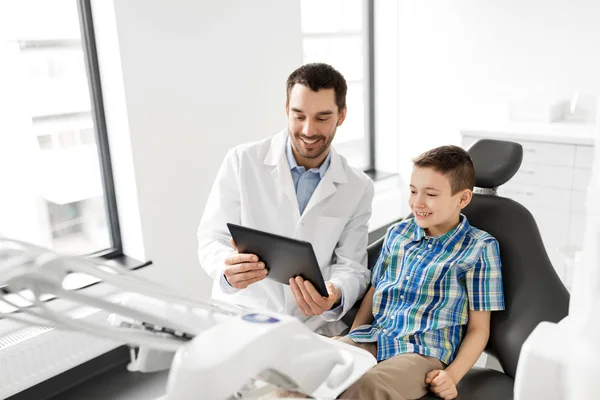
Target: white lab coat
254, 188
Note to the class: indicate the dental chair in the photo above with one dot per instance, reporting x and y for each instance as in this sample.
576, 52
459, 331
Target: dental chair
533, 292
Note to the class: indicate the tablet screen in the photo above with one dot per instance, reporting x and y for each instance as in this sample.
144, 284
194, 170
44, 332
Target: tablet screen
284, 257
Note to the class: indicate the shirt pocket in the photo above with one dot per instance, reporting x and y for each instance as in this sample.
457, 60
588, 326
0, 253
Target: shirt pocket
254, 298
326, 236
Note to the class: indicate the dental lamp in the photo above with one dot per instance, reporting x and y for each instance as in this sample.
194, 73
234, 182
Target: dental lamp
219, 349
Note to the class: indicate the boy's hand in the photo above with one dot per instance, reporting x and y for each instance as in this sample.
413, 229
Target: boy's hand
442, 384
309, 301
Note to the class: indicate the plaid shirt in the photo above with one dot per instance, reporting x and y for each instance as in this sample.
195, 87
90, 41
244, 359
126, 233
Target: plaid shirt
423, 285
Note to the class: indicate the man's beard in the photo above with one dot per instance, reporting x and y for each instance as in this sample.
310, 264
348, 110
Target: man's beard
298, 145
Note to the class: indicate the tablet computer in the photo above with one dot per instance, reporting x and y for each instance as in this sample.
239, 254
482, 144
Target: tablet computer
284, 257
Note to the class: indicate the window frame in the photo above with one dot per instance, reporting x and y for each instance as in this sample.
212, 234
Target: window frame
370, 81
88, 41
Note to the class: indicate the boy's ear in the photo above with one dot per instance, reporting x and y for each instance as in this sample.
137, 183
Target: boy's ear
465, 198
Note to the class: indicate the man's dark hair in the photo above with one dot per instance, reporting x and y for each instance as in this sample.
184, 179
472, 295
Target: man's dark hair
452, 161
319, 76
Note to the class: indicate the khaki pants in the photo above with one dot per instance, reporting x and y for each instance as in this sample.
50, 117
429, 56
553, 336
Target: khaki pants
401, 377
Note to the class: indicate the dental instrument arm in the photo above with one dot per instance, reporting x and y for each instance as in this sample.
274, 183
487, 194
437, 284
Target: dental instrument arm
219, 348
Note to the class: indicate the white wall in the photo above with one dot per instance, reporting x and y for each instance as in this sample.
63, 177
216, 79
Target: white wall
196, 78
465, 59
186, 80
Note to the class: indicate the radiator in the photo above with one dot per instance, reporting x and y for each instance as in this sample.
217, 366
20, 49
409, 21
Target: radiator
32, 354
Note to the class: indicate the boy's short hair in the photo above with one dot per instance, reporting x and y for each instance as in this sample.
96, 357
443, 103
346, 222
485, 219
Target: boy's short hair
319, 76
452, 161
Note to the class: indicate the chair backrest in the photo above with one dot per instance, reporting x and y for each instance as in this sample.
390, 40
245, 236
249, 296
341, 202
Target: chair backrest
533, 292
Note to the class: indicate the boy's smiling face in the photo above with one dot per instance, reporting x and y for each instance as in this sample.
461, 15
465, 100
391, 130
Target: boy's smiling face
432, 203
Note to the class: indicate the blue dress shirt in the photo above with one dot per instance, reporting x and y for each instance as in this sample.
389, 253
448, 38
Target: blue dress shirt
425, 287
305, 182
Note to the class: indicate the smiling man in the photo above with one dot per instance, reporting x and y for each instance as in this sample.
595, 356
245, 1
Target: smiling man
293, 184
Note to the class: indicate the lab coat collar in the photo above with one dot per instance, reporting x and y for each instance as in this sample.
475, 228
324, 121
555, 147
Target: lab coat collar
283, 176
276, 156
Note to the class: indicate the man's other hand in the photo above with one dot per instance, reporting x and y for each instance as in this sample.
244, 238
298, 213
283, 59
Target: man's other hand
309, 301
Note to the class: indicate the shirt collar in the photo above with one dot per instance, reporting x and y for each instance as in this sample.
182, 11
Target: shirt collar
451, 236
294, 164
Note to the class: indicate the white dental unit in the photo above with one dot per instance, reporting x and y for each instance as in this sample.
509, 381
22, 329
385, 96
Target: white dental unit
220, 350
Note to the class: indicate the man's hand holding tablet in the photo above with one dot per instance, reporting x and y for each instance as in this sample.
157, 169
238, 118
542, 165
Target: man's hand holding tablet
309, 301
243, 269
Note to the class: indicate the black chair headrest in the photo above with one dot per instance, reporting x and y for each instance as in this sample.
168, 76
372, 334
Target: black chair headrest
495, 161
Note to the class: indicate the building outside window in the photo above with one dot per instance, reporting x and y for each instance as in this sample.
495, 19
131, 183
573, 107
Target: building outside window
53, 154
337, 32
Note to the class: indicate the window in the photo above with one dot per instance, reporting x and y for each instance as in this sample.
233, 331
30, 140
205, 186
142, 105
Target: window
339, 32
54, 158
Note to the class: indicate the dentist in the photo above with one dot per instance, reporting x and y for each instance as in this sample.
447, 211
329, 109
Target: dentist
293, 184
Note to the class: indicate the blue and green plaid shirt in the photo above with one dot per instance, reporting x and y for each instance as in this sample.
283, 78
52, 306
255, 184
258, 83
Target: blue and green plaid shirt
423, 286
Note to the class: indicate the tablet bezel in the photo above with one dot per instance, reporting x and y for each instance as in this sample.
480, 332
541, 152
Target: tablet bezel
283, 256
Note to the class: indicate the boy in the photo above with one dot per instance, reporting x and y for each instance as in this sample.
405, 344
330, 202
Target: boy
436, 279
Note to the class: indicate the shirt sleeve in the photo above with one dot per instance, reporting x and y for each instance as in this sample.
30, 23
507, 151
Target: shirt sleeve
223, 205
484, 280
335, 313
226, 286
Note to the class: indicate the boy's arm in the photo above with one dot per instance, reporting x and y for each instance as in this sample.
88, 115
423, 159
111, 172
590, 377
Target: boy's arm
364, 315
484, 288
472, 346
443, 382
